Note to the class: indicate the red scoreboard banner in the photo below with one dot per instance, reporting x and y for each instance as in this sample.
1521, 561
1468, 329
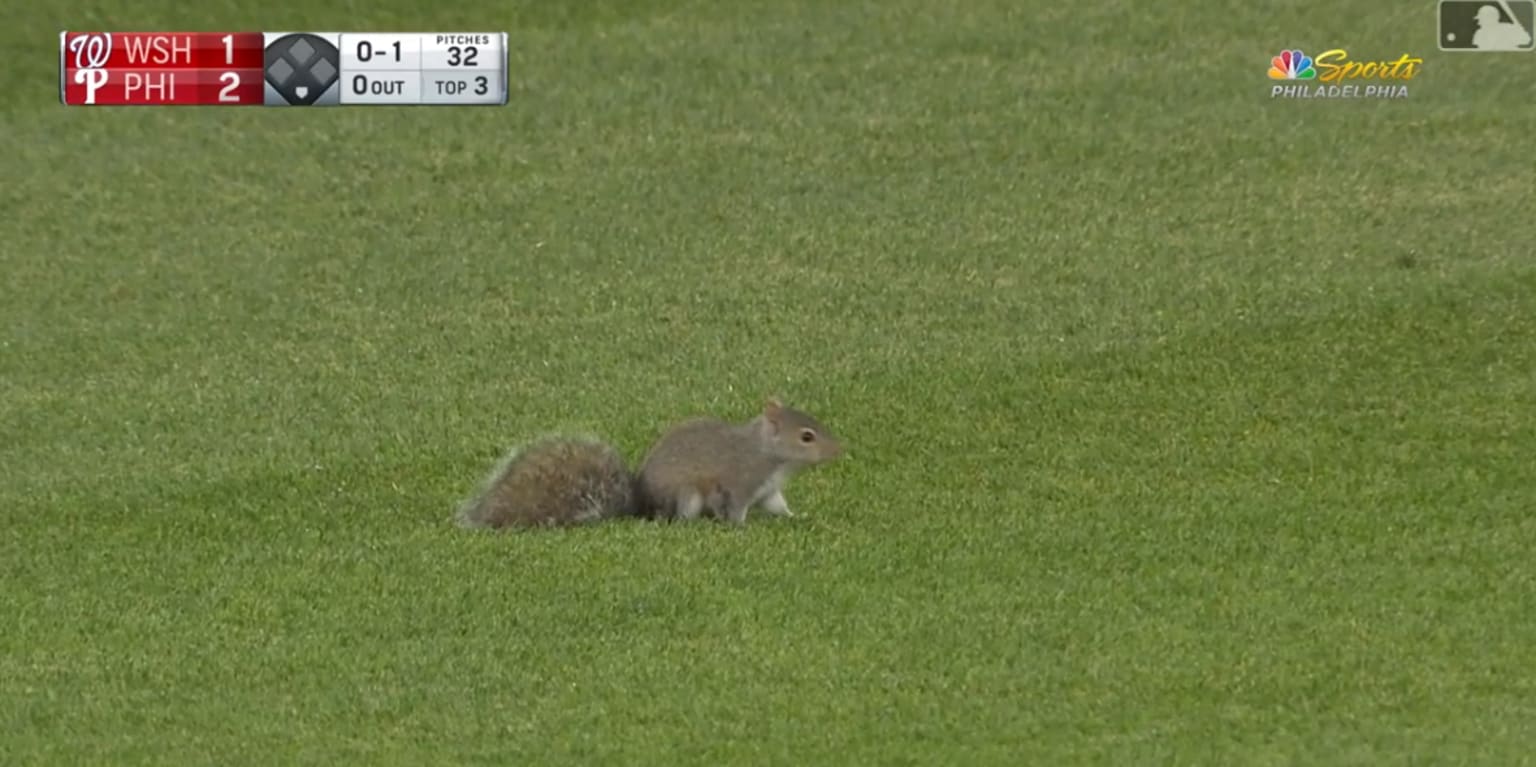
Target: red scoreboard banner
156, 68
281, 69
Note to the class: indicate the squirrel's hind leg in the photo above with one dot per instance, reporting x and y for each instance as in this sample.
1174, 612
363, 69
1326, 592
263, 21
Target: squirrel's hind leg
732, 512
725, 506
689, 506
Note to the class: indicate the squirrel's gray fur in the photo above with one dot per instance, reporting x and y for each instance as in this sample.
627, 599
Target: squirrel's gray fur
552, 481
701, 467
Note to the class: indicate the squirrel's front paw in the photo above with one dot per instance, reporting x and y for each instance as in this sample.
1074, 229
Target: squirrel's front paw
775, 504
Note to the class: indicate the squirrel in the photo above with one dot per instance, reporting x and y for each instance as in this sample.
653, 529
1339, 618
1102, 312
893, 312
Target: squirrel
701, 466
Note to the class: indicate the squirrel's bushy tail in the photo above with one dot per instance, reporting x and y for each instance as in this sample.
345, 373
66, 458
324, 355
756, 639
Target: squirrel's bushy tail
552, 481
472, 513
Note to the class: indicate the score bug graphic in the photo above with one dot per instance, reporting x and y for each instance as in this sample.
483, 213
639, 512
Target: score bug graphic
285, 69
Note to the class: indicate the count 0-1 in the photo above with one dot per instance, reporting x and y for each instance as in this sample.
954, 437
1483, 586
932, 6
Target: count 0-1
365, 51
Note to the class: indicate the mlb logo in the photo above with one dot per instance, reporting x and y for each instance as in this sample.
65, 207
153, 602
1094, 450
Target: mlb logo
1487, 25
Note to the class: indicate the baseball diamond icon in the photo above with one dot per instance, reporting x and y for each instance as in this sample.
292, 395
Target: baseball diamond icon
301, 70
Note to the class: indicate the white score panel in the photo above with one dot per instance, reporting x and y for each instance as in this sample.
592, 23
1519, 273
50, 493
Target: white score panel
423, 68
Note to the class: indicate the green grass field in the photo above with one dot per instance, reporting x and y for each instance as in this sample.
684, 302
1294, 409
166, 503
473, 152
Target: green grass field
1186, 426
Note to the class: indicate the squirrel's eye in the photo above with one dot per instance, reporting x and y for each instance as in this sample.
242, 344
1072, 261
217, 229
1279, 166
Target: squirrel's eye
807, 436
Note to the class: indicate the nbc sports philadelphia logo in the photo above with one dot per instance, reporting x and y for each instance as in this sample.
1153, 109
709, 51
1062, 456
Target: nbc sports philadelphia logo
1334, 74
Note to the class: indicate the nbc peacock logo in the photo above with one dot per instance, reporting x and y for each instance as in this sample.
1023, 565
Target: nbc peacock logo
1291, 65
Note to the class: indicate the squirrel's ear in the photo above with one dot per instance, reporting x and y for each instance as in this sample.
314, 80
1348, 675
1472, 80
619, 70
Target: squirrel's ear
772, 410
